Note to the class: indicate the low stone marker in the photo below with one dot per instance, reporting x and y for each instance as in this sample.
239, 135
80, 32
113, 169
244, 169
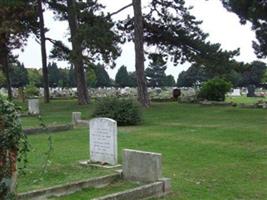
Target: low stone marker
103, 141
76, 116
141, 166
76, 119
33, 107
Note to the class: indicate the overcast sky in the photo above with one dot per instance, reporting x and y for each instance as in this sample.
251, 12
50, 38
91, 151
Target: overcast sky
223, 27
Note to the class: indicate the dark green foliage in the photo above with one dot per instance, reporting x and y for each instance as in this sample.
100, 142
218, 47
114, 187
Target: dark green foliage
2, 79
31, 91
122, 77
176, 33
155, 73
132, 79
254, 11
53, 74
124, 111
96, 31
215, 89
102, 77
253, 73
18, 75
64, 78
35, 77
71, 77
195, 74
169, 81
13, 146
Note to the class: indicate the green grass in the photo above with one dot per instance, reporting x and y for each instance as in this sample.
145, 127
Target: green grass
209, 152
63, 166
246, 100
98, 192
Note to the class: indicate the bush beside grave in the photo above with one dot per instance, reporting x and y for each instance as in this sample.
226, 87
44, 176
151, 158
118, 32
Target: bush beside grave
124, 111
13, 145
31, 91
214, 90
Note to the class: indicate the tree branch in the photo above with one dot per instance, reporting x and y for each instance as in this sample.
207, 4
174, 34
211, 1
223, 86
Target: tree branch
118, 11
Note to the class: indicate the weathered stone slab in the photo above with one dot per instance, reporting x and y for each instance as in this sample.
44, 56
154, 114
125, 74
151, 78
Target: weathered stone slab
103, 141
33, 107
141, 166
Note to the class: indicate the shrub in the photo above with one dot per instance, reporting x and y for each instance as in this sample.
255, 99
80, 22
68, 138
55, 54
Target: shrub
13, 146
215, 89
124, 111
31, 91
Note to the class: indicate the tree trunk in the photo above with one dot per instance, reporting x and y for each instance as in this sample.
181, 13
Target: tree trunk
143, 97
43, 50
6, 70
77, 57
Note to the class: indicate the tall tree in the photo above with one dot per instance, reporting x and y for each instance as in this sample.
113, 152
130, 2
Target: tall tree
253, 73
43, 51
17, 20
102, 77
18, 75
171, 28
85, 20
53, 74
122, 77
254, 11
139, 54
77, 56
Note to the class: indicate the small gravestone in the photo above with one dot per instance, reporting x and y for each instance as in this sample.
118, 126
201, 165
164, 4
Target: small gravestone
76, 116
103, 141
33, 107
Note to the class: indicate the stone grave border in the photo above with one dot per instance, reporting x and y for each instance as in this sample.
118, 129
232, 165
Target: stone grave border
50, 129
158, 188
70, 188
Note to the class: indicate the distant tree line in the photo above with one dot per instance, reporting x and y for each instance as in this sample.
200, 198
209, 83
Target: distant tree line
96, 76
240, 74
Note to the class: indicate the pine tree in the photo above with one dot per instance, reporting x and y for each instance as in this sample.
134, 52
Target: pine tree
53, 74
122, 77
43, 51
17, 21
85, 20
254, 11
155, 73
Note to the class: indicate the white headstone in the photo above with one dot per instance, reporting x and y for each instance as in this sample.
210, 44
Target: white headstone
236, 92
33, 106
103, 140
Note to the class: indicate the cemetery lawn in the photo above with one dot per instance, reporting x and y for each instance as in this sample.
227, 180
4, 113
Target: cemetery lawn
209, 152
246, 100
